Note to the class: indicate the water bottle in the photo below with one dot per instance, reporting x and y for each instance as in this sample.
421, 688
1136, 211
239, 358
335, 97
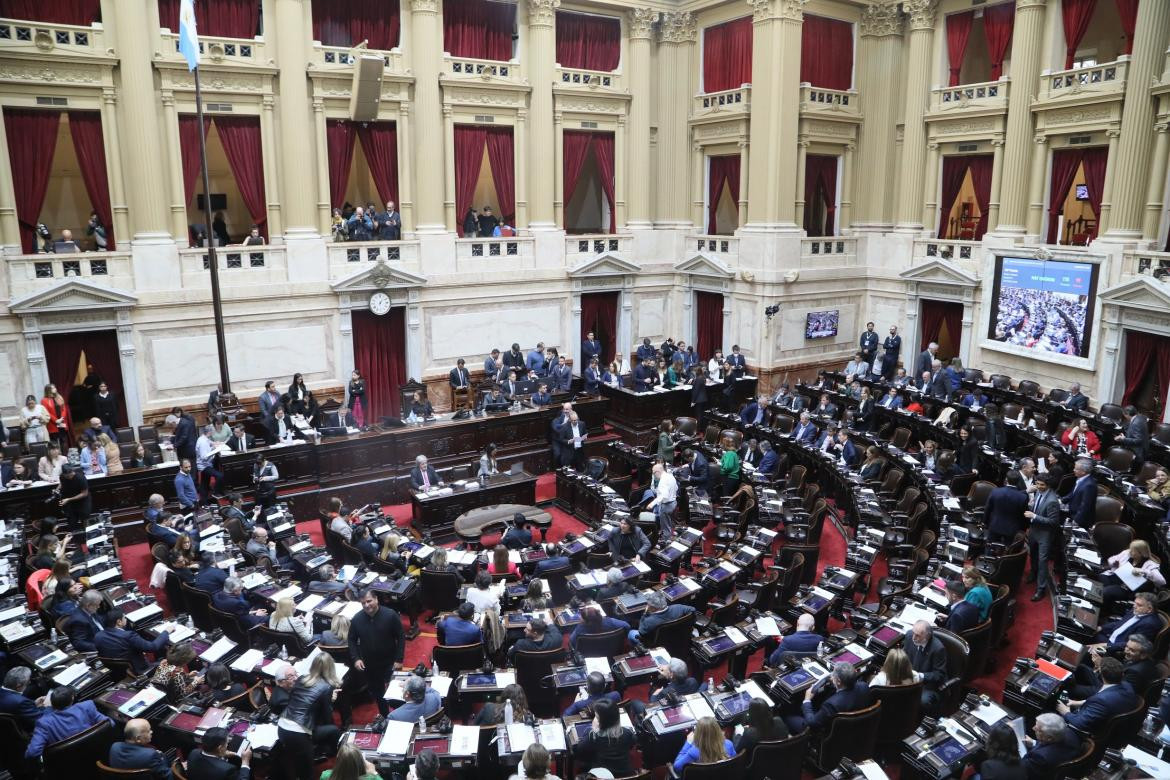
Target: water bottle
434, 668
53, 635
711, 685
508, 714
190, 622
422, 723
283, 653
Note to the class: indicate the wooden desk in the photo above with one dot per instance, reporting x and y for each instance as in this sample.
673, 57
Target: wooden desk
436, 514
636, 416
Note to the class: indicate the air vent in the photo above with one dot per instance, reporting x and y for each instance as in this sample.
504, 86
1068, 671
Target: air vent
223, 108
968, 147
485, 119
1078, 140
52, 101
589, 125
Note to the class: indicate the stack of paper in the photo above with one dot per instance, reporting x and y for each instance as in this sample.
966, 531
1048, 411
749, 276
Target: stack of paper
263, 735
396, 739
766, 626
176, 631
552, 736
464, 740
247, 662
520, 736
222, 647
71, 674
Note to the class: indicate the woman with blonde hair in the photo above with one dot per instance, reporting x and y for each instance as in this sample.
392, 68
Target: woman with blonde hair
896, 670
705, 745
500, 562
977, 591
494, 634
113, 454
389, 551
284, 618
308, 718
1136, 561
338, 632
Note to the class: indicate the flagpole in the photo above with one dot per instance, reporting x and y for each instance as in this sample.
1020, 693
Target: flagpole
225, 388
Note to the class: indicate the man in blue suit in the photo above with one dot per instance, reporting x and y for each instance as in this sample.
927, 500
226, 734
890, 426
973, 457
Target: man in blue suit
232, 601
1142, 619
768, 461
84, 624
590, 349
892, 400
646, 351
1082, 502
1137, 434
754, 412
595, 686
846, 450
135, 751
120, 643
850, 694
963, 615
65, 720
1055, 744
14, 702
805, 431
1005, 508
658, 611
1090, 716
210, 577
801, 642
535, 360
460, 628
700, 471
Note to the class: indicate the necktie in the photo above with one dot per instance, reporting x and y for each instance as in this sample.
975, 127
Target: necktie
243, 444
426, 479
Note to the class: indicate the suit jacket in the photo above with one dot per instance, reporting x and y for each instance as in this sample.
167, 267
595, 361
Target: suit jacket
125, 645
738, 364
126, 755
1137, 436
457, 631
638, 538
24, 708
653, 620
590, 350
924, 363
513, 360
201, 766
268, 403
274, 429
416, 477
106, 409
856, 698
249, 443
1004, 511
1140, 674
56, 725
210, 579
804, 433
930, 661
996, 434
1077, 403
459, 377
800, 642
592, 379
940, 385
82, 629
1147, 625
1041, 761
562, 377
869, 344
748, 414
1092, 716
849, 453
769, 463
184, 437
236, 605
1047, 510
963, 616
828, 410
1082, 503
893, 404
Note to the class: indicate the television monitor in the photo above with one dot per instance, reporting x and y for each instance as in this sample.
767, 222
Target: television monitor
1082, 192
218, 201
821, 324
1043, 306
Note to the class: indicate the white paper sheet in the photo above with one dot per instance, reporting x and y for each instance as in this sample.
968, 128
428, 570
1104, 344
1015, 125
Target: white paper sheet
176, 631
698, 706
141, 701
310, 602
247, 662
464, 740
1125, 573
766, 626
291, 592
990, 713
396, 739
253, 580
263, 735
735, 635
504, 679
218, 650
520, 736
71, 674
552, 736
597, 665
142, 613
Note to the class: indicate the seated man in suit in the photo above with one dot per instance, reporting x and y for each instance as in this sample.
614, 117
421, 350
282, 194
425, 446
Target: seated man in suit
974, 397
259, 546
658, 611
423, 476
849, 694
164, 528
84, 624
804, 432
673, 680
963, 615
538, 636
210, 760
231, 600
554, 562
1140, 670
892, 400
493, 401
769, 460
241, 441
541, 397
365, 544
595, 686
13, 701
629, 542
825, 408
846, 450
755, 412
280, 428
421, 701
235, 511
1054, 745
135, 752
801, 642
928, 657
1090, 716
826, 440
120, 643
1077, 401
65, 720
1142, 619
460, 628
699, 471
210, 578
518, 536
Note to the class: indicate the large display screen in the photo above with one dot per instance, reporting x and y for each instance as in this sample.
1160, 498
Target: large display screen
821, 324
1043, 305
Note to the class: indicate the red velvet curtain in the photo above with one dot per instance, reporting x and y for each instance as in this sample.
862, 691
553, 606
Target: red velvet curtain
708, 324
575, 152
997, 26
379, 353
217, 18
469, 143
380, 146
86, 129
1127, 10
958, 31
502, 159
599, 316
1146, 352
981, 166
603, 155
820, 181
80, 12
32, 140
1075, 15
62, 353
954, 170
588, 42
189, 150
727, 55
936, 314
1064, 170
240, 137
1094, 160
826, 52
339, 137
724, 170
481, 29
349, 22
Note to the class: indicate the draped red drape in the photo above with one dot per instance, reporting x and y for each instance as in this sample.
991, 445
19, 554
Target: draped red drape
826, 52
62, 353
1145, 353
1075, 15
603, 155
588, 41
1094, 159
80, 12
189, 150
380, 146
575, 152
997, 26
981, 166
86, 129
820, 182
240, 137
349, 22
32, 139
217, 18
1064, 170
599, 316
724, 170
501, 158
577, 146
727, 55
931, 314
379, 353
469, 143
708, 324
958, 31
1127, 10
339, 136
478, 28
954, 170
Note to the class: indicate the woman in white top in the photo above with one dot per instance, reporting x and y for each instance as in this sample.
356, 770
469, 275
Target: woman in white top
896, 670
49, 466
481, 595
284, 619
33, 419
487, 462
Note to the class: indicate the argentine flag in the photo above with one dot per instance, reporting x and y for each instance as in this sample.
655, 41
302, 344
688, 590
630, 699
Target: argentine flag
188, 37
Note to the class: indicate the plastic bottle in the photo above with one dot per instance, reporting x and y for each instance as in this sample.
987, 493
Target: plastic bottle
283, 653
53, 635
711, 685
508, 713
422, 723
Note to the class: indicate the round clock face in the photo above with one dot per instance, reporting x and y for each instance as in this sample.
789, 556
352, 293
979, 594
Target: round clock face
379, 303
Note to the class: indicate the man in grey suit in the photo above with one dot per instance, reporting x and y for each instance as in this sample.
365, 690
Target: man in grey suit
1137, 434
926, 359
1044, 534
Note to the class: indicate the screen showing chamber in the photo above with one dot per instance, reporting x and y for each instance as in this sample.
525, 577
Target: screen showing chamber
821, 324
1043, 305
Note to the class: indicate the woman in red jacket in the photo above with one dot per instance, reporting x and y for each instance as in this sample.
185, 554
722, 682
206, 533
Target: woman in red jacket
1081, 440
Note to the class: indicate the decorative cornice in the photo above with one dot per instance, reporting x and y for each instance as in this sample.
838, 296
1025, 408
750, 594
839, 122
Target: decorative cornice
791, 10
879, 21
678, 27
424, 6
542, 13
642, 22
921, 12
1024, 4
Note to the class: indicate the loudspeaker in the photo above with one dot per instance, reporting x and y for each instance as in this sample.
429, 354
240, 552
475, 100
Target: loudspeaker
366, 90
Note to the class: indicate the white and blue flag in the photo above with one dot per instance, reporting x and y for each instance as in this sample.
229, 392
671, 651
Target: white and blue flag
188, 37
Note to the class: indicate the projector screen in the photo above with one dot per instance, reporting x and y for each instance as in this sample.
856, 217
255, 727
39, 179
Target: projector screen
1043, 305
821, 324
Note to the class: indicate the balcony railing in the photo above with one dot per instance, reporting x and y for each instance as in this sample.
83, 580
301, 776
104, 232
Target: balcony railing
242, 265
242, 50
574, 77
984, 94
718, 246
1106, 77
16, 35
343, 57
946, 249
583, 247
346, 257
1155, 264
468, 68
28, 274
818, 99
737, 100
828, 250
489, 255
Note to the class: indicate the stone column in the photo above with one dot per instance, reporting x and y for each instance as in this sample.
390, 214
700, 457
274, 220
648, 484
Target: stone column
1027, 48
272, 172
175, 168
540, 62
112, 144
324, 196
9, 224
930, 193
414, 335
294, 113
1036, 184
34, 348
845, 212
128, 362
801, 164
1157, 182
426, 60
1132, 163
879, 49
637, 170
744, 181
405, 168
678, 33
625, 324
558, 165
776, 26
996, 181
918, 79
1105, 218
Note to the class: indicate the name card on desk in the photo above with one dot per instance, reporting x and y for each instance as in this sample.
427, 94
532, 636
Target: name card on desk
279, 529
230, 562
97, 560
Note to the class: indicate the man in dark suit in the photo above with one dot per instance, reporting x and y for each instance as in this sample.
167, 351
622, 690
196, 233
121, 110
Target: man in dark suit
869, 344
84, 624
995, 430
135, 751
825, 408
538, 635
561, 376
64, 720
940, 382
460, 628
1054, 745
459, 378
1137, 434
280, 428
678, 683
700, 470
755, 412
928, 657
514, 360
925, 360
1005, 508
850, 694
1090, 716
963, 614
556, 437
846, 450
231, 600
1140, 669
804, 432
738, 362
645, 376
646, 351
210, 760
769, 461
121, 644
590, 348
1082, 502
892, 400
241, 441
1077, 401
14, 702
1044, 535
658, 611
592, 377
423, 476
1142, 619
509, 386
210, 578
185, 434
804, 641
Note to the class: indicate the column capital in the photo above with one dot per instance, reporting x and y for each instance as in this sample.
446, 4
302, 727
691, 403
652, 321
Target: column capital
879, 21
763, 10
642, 23
850, 148
110, 96
803, 143
921, 12
542, 13
268, 102
318, 105
997, 142
424, 6
1113, 132
1040, 139
678, 27
933, 146
1162, 127
1026, 4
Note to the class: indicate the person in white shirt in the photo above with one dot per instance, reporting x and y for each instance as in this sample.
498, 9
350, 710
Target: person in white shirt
481, 596
284, 618
205, 454
49, 466
665, 501
574, 441
856, 368
715, 366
